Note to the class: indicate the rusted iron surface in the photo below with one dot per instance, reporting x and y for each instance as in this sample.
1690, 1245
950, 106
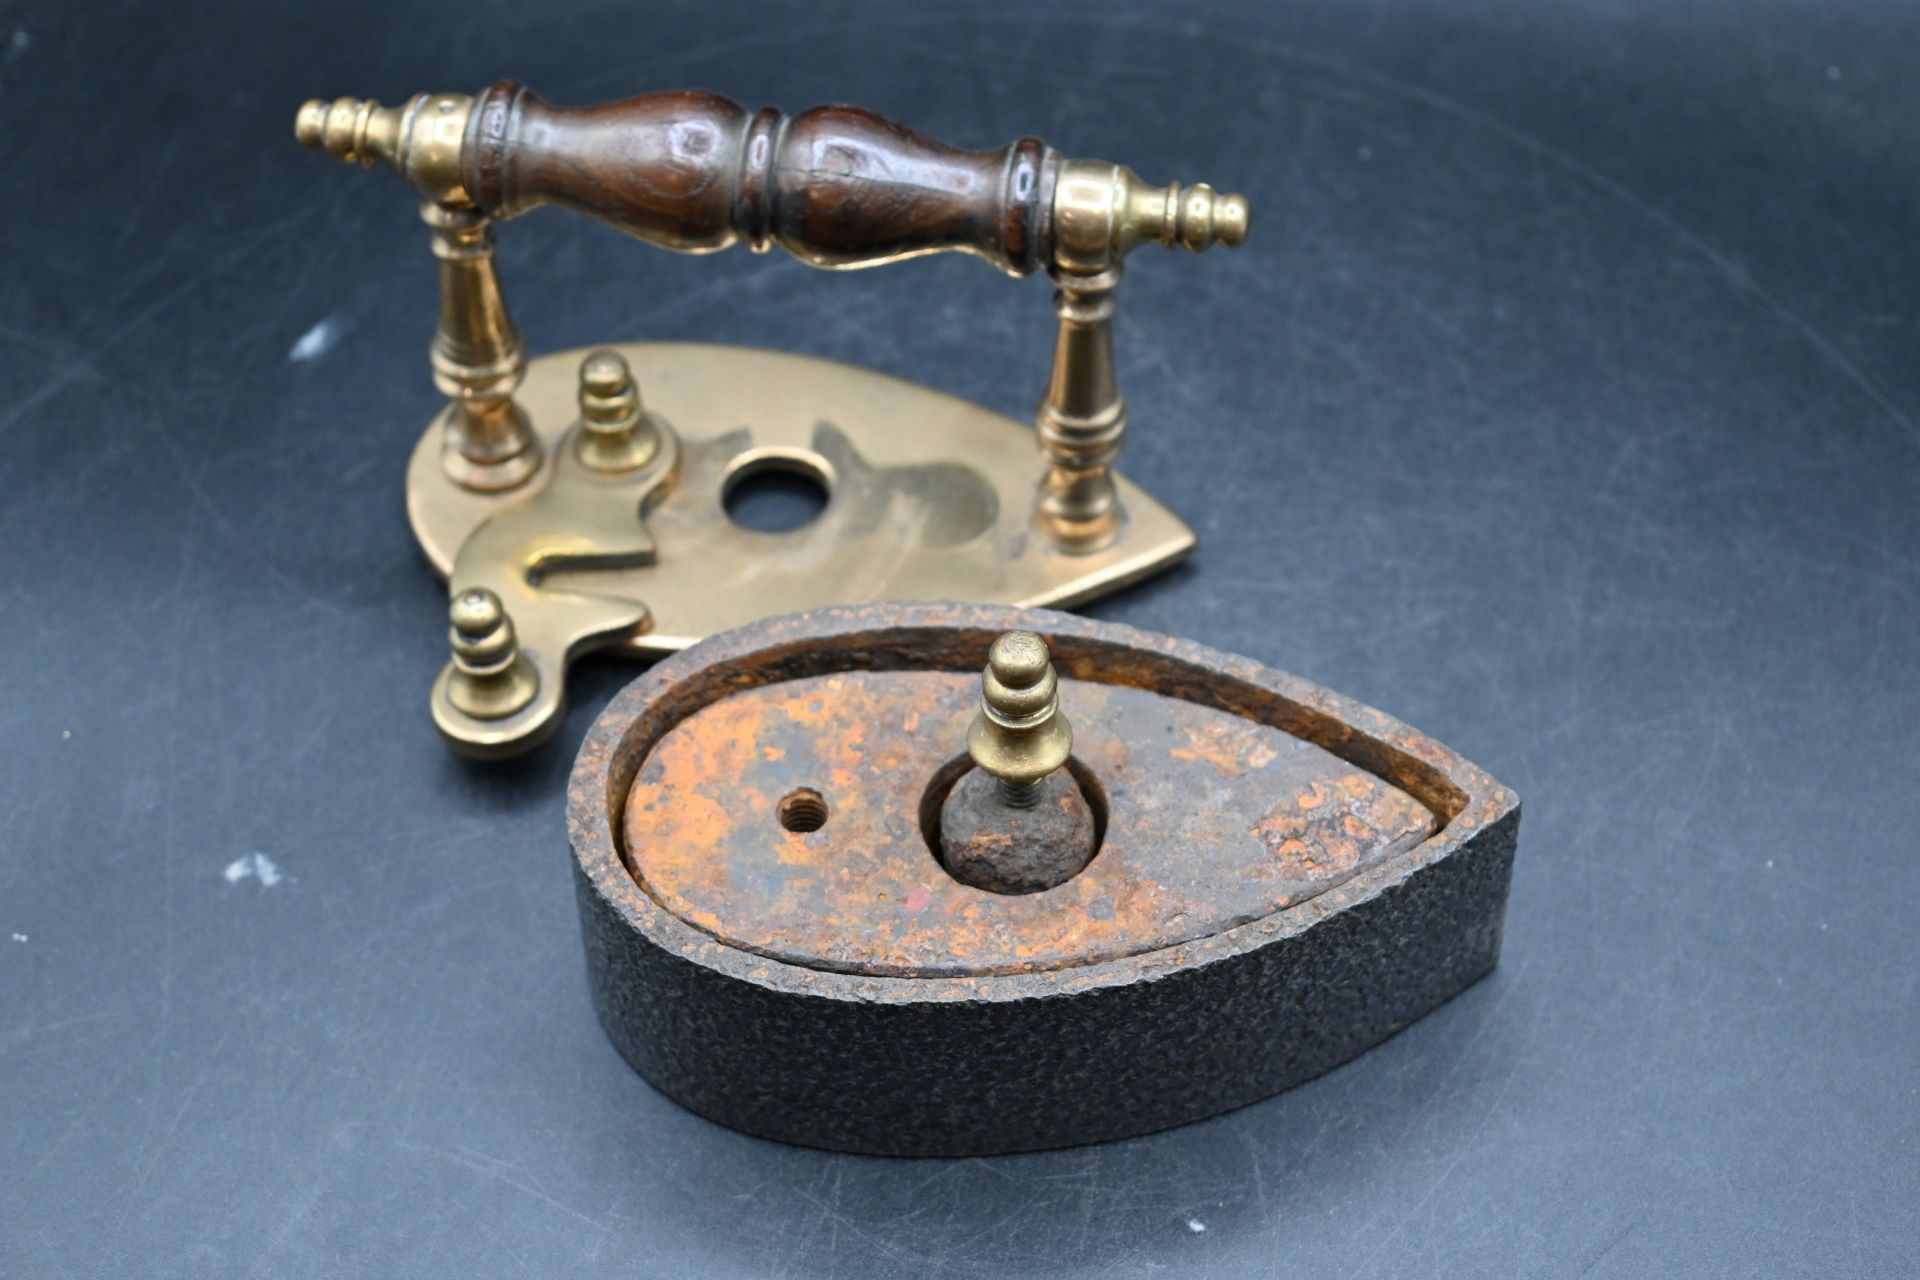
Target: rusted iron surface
969, 1063
1213, 820
991, 843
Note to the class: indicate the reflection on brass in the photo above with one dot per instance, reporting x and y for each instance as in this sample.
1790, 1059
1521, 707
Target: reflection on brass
1018, 735
560, 491
617, 434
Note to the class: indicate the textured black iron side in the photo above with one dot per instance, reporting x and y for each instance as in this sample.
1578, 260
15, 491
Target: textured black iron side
1009, 1061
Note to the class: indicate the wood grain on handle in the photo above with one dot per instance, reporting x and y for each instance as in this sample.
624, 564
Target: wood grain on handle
688, 170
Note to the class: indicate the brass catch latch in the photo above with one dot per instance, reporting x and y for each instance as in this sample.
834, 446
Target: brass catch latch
578, 502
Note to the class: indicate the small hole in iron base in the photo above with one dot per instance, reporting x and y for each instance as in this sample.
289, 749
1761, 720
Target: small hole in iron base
802, 810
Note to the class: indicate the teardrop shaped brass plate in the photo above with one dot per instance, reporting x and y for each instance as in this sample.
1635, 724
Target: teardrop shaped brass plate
930, 498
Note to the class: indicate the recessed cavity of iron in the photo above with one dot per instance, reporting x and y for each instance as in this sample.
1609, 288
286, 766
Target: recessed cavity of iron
941, 785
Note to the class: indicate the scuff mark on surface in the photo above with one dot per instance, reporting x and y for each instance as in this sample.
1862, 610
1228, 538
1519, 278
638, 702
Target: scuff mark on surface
315, 342
257, 865
17, 45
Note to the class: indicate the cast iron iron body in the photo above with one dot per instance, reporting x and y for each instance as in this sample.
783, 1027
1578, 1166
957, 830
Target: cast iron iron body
894, 1011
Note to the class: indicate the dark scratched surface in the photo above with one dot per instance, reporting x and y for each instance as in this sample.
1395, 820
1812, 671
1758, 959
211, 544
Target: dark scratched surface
1564, 403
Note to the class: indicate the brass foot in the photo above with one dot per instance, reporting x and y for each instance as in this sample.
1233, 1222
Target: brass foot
490, 678
494, 698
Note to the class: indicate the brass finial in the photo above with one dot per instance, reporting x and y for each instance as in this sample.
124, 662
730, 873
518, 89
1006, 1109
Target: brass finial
491, 678
617, 434
420, 139
1201, 218
1019, 735
354, 130
1102, 212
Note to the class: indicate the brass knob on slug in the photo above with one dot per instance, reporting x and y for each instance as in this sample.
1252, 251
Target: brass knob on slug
1018, 822
1018, 735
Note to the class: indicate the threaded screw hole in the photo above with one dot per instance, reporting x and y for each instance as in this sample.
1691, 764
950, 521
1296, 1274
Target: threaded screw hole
802, 810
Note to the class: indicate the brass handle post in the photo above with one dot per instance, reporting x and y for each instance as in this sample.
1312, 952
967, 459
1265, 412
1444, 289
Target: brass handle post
1082, 419
478, 358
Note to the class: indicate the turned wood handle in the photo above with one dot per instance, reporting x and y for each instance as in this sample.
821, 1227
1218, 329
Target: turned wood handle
694, 171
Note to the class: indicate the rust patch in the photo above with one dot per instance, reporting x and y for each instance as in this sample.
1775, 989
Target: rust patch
1221, 744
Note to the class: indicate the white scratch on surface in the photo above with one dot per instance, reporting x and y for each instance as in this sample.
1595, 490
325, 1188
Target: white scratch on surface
258, 865
1196, 1226
315, 342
